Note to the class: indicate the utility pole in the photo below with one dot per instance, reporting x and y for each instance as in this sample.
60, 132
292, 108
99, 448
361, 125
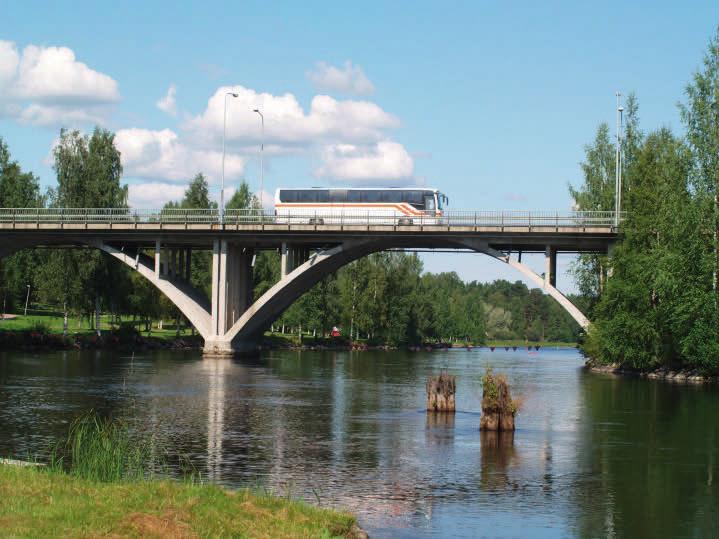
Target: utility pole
262, 152
618, 163
222, 184
27, 299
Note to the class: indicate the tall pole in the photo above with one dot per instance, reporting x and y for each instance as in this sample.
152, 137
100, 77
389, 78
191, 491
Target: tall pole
27, 299
262, 168
222, 185
618, 164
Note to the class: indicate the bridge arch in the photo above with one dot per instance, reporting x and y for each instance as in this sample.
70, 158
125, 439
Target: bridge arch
244, 332
279, 297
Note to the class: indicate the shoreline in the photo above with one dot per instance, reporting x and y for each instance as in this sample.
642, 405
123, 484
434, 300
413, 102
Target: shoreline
28, 340
681, 376
156, 507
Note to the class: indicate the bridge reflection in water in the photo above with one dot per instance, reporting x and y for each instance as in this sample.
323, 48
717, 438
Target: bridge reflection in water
216, 373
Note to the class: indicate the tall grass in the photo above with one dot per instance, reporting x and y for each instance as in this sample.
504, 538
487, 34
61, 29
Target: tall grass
102, 449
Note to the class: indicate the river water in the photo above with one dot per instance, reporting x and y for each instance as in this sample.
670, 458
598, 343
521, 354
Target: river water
593, 455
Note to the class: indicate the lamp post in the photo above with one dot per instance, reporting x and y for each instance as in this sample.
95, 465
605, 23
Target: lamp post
27, 299
262, 168
222, 186
618, 163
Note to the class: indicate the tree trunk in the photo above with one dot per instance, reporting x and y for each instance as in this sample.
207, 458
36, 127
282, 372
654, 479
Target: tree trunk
441, 393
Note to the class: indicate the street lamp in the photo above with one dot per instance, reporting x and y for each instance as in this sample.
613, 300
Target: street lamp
262, 168
618, 163
27, 299
222, 186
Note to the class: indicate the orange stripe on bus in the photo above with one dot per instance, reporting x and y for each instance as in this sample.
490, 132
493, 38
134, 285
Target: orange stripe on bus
407, 210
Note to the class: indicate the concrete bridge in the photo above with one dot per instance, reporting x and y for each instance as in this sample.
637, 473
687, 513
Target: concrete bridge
159, 244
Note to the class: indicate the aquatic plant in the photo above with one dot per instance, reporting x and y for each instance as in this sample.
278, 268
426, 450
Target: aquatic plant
103, 449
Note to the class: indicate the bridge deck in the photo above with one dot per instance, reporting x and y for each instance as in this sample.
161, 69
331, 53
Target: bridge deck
527, 231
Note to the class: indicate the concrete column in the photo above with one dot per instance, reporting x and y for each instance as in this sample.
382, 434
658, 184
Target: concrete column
245, 280
550, 266
215, 285
171, 264
166, 259
180, 268
284, 260
188, 264
231, 285
158, 265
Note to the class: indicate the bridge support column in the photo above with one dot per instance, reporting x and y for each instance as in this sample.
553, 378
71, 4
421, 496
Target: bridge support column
550, 267
292, 257
158, 263
232, 274
188, 264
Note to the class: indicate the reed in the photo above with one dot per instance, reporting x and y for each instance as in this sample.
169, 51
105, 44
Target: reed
102, 449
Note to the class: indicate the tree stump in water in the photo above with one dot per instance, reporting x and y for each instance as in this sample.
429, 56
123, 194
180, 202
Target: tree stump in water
498, 408
440, 393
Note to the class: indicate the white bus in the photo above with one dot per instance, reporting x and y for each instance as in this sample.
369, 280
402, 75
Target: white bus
372, 205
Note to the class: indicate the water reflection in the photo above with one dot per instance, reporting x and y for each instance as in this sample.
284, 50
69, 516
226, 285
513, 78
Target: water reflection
592, 456
215, 370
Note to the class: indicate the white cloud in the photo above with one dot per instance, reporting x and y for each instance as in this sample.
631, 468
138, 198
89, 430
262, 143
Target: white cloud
379, 163
287, 125
162, 155
168, 103
48, 85
153, 194
9, 60
56, 114
349, 79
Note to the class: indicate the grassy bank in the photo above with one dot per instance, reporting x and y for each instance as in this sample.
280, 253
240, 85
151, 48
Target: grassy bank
45, 503
51, 322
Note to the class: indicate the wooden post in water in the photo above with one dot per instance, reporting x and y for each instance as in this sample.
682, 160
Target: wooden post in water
440, 393
498, 408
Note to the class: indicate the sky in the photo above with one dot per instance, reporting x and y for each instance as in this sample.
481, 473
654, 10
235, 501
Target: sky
491, 102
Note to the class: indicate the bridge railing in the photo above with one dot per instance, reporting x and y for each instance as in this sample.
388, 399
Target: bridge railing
211, 216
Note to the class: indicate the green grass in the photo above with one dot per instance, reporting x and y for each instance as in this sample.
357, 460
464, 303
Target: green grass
101, 481
48, 503
52, 322
102, 449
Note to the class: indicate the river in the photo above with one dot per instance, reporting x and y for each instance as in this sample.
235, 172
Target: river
593, 455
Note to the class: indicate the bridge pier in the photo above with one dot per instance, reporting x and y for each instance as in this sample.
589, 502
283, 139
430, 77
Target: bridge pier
550, 267
292, 258
232, 274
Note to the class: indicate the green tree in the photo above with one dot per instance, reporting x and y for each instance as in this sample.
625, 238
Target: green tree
88, 172
18, 189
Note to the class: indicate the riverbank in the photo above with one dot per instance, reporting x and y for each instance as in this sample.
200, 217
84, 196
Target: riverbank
682, 376
45, 503
38, 331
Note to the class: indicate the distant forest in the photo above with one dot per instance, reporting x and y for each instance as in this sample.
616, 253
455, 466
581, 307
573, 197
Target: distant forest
385, 297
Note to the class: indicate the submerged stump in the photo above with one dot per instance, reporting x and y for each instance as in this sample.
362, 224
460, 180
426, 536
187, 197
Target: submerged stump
440, 393
498, 408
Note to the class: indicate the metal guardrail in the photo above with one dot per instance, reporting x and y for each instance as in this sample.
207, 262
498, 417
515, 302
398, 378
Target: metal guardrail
572, 219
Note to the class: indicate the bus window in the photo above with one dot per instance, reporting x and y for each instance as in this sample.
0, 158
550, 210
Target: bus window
338, 196
391, 196
354, 196
371, 196
288, 196
429, 203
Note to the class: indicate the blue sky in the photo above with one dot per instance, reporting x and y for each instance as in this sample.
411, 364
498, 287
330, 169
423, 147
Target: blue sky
491, 102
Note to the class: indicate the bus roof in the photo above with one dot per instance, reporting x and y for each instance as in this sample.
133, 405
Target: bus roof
360, 189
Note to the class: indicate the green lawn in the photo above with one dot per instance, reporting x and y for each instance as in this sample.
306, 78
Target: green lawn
52, 322
44, 503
